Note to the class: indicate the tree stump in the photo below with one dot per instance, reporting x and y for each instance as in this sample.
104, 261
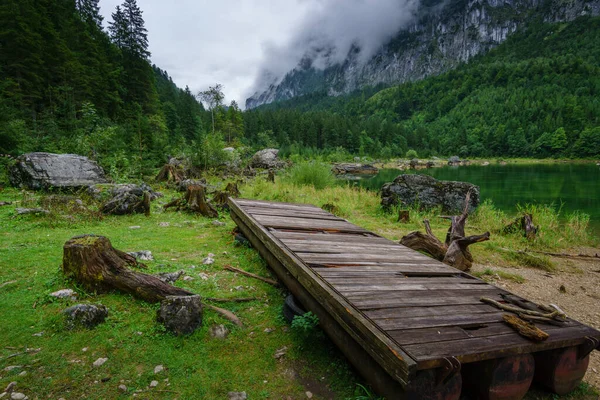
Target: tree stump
95, 264
271, 176
523, 224
404, 216
194, 200
170, 173
454, 251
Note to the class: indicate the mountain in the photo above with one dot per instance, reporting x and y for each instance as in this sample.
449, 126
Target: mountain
443, 35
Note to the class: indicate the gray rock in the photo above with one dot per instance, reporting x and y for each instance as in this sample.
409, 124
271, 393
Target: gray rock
454, 160
266, 158
158, 369
428, 192
218, 331
181, 315
237, 395
354, 169
153, 384
100, 362
64, 294
170, 277
46, 170
218, 223
127, 199
122, 388
143, 255
18, 396
22, 211
85, 315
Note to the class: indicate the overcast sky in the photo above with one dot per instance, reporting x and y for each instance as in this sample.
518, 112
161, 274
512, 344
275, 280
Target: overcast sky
247, 45
203, 42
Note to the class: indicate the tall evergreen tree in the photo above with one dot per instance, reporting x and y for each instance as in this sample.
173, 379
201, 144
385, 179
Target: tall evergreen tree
118, 28
89, 10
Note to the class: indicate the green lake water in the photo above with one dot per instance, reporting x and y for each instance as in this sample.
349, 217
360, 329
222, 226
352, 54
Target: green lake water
575, 187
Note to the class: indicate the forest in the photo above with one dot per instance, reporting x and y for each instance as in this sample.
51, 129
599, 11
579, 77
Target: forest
69, 84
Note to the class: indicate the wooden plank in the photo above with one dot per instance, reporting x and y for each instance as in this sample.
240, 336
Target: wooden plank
348, 243
397, 287
306, 224
293, 213
408, 267
349, 249
406, 312
394, 279
382, 348
319, 237
485, 348
317, 258
413, 300
247, 203
440, 320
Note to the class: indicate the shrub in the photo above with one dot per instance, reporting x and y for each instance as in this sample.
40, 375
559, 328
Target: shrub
315, 174
411, 154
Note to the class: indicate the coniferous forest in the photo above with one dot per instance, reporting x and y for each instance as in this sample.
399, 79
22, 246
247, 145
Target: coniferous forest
70, 84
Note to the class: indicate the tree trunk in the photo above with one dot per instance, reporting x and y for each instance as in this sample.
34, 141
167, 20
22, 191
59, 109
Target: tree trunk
194, 200
271, 176
94, 263
455, 250
169, 173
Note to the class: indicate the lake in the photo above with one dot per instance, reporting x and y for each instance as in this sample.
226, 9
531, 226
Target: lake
575, 186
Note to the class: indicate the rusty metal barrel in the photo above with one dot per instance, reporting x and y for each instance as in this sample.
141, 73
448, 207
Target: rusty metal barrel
561, 370
506, 378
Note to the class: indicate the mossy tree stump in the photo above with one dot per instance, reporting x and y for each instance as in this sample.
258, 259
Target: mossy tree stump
194, 200
94, 263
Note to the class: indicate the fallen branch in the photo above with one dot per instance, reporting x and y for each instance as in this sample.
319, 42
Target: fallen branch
27, 351
526, 329
226, 314
232, 300
518, 310
7, 283
584, 257
251, 275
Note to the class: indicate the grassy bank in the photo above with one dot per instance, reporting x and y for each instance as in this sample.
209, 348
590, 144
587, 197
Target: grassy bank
200, 366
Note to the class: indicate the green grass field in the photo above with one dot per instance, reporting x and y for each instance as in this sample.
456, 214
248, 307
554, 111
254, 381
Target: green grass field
196, 366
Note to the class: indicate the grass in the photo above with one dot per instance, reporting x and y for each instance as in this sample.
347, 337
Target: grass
313, 173
196, 366
493, 273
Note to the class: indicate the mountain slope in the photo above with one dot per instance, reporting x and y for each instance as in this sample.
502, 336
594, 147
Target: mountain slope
443, 35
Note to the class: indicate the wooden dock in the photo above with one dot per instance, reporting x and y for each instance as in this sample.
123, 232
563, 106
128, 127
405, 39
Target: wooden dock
408, 323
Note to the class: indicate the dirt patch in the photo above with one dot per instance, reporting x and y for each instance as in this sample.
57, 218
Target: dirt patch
318, 388
580, 298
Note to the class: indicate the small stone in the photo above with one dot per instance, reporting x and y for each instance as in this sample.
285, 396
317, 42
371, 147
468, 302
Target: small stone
84, 349
164, 224
18, 396
211, 255
208, 261
64, 294
158, 369
23, 373
122, 388
203, 276
239, 288
192, 267
237, 395
11, 386
99, 362
269, 330
153, 384
143, 255
309, 395
562, 289
11, 367
188, 278
38, 334
139, 333
280, 353
181, 315
218, 331
85, 315
218, 223
225, 253
135, 227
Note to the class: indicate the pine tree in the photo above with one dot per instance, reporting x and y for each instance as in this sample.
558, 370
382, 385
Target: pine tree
118, 28
89, 10
136, 39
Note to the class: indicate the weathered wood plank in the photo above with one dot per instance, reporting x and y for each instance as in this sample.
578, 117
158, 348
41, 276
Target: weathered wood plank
408, 268
349, 249
383, 349
319, 237
393, 279
416, 299
293, 213
366, 287
440, 320
278, 204
485, 348
406, 312
304, 224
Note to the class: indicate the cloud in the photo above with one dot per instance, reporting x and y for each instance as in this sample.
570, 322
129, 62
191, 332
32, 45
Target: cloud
201, 42
331, 30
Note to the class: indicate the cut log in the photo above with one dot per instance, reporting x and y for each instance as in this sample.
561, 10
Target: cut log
427, 243
522, 224
458, 254
194, 200
94, 263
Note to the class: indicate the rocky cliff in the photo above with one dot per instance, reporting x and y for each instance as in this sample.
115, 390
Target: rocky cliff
441, 36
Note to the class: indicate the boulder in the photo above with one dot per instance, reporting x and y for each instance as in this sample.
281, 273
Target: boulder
183, 185
85, 315
181, 315
266, 158
454, 160
46, 171
129, 199
354, 169
428, 192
